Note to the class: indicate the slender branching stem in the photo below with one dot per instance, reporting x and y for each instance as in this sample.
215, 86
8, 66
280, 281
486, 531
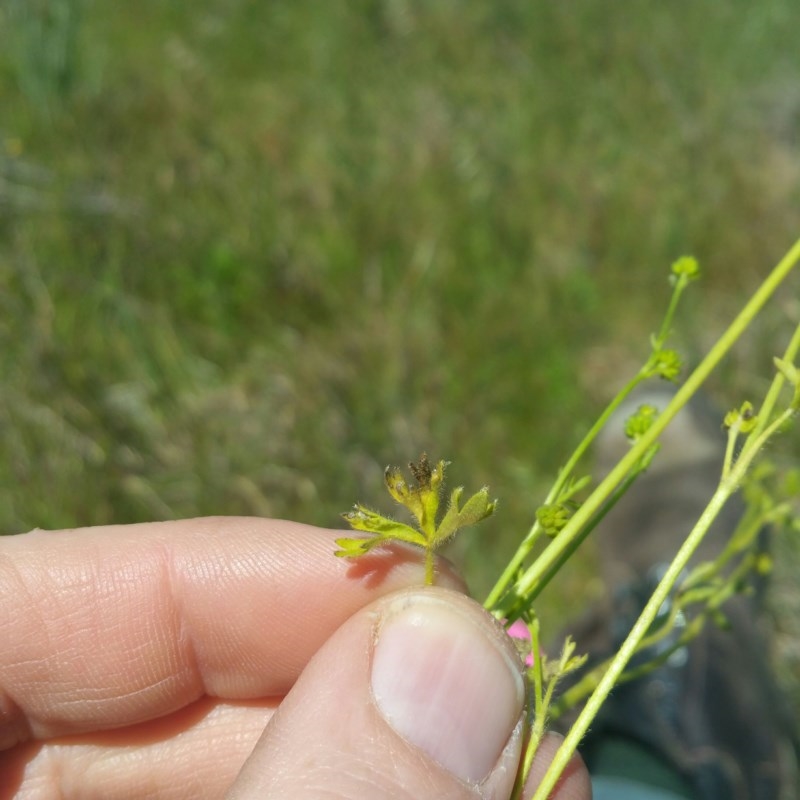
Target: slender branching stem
631, 643
529, 585
727, 486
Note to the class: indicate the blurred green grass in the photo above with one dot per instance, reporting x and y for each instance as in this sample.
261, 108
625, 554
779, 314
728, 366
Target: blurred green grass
251, 253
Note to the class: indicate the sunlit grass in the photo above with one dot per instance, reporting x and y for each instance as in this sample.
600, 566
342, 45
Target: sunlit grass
251, 253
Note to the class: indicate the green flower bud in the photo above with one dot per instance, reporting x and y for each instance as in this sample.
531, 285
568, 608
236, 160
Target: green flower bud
744, 419
553, 517
639, 423
666, 364
685, 267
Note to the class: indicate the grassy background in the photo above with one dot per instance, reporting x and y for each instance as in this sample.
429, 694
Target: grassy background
252, 252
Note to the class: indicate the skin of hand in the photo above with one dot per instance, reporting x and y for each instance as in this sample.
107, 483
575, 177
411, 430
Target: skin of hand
237, 657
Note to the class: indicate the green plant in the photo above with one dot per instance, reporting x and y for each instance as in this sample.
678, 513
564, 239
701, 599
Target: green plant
565, 522
423, 502
43, 42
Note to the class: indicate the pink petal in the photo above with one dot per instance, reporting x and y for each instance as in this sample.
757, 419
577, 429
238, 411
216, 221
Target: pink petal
519, 630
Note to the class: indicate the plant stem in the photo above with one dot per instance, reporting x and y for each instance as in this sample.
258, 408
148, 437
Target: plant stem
564, 474
629, 646
765, 412
730, 448
727, 486
429, 566
500, 588
666, 325
529, 585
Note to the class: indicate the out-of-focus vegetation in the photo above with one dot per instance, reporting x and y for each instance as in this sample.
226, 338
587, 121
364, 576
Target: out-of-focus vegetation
252, 252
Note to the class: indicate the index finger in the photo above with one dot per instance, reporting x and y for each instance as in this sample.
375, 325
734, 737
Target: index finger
110, 626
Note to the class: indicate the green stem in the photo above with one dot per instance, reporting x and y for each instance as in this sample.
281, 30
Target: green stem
728, 485
429, 566
616, 495
765, 412
588, 683
631, 643
666, 325
528, 586
528, 543
733, 435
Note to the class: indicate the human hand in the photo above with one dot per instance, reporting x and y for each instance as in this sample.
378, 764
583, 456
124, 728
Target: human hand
191, 658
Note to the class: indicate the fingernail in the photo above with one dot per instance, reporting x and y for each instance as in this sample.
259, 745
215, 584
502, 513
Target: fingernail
447, 682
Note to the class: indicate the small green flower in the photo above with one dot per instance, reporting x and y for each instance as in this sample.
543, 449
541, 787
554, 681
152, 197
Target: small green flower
665, 363
686, 268
422, 500
742, 419
554, 516
639, 423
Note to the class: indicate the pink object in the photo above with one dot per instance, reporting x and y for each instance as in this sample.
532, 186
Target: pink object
519, 630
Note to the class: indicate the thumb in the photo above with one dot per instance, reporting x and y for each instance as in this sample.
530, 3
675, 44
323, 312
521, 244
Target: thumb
419, 695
